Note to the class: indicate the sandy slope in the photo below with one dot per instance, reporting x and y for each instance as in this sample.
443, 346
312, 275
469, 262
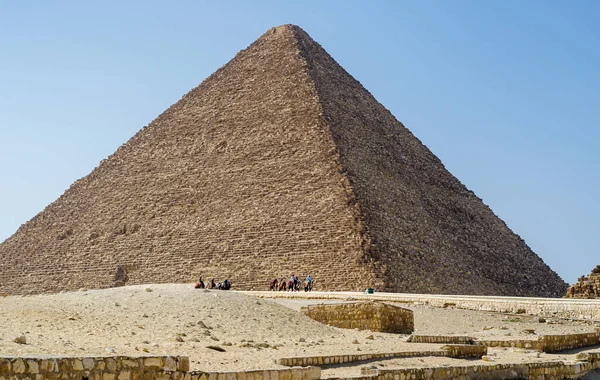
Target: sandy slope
179, 320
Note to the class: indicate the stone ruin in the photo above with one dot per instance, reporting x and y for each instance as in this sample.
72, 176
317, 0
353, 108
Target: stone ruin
280, 162
586, 286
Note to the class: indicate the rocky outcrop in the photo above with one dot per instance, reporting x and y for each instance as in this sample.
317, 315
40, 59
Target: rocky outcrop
279, 162
586, 286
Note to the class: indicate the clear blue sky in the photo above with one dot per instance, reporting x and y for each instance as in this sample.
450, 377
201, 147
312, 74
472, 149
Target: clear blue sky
506, 93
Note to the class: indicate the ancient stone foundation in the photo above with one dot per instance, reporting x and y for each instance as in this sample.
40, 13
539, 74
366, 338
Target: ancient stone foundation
374, 316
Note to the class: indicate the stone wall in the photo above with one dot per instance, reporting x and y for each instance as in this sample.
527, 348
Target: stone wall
297, 373
586, 286
553, 370
548, 307
374, 316
451, 351
548, 343
443, 339
133, 368
94, 368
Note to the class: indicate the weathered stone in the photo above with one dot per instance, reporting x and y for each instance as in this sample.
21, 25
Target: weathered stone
294, 150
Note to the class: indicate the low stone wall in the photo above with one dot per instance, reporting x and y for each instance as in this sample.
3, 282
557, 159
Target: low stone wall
451, 351
548, 343
528, 344
296, 373
134, 368
464, 351
555, 343
441, 339
548, 307
555, 370
340, 359
374, 316
117, 367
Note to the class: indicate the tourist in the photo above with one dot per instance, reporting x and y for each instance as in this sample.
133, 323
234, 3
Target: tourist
212, 284
309, 282
200, 284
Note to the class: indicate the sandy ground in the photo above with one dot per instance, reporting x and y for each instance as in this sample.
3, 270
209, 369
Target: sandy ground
176, 319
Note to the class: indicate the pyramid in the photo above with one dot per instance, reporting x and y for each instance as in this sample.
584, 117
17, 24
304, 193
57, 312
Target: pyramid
280, 162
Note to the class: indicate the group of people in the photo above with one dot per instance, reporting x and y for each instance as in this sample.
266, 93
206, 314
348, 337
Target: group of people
225, 285
293, 285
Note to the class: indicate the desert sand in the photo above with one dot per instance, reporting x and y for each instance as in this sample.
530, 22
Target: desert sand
177, 319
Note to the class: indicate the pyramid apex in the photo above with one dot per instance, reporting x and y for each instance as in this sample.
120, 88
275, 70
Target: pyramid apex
284, 28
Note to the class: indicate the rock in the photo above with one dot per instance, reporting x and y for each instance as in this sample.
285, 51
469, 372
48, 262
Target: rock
487, 358
370, 337
487, 328
178, 338
20, 339
201, 324
541, 320
227, 344
145, 349
301, 340
148, 289
111, 350
529, 331
216, 348
355, 341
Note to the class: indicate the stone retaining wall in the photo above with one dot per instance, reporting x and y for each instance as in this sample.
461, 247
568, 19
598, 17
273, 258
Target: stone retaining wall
441, 339
548, 307
548, 343
133, 368
296, 373
451, 351
374, 316
94, 368
464, 351
555, 370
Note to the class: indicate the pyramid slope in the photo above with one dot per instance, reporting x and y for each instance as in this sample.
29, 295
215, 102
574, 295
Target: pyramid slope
429, 232
279, 162
238, 179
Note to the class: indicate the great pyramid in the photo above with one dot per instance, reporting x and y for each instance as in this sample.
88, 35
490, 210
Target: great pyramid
279, 162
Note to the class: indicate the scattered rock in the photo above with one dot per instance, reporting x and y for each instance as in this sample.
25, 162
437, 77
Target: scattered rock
355, 341
145, 349
301, 340
487, 328
201, 325
487, 358
216, 348
178, 338
541, 320
529, 331
227, 344
370, 337
148, 289
20, 339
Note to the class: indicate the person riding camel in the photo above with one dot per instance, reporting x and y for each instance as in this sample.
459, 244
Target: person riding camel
226, 284
293, 282
200, 284
309, 280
